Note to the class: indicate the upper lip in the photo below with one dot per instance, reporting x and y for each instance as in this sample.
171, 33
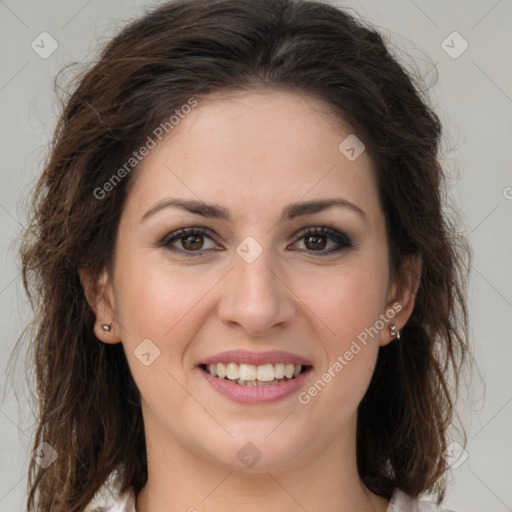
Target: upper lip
256, 358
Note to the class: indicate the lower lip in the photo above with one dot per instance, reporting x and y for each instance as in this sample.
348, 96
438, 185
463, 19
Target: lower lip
256, 394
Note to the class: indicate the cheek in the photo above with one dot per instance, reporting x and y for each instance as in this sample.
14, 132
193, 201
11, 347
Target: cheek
159, 315
350, 346
346, 299
162, 303
348, 303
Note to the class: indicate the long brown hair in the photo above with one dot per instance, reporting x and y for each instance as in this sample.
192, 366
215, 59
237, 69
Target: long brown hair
89, 406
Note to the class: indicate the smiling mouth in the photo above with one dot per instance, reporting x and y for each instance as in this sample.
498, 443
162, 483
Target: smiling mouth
252, 375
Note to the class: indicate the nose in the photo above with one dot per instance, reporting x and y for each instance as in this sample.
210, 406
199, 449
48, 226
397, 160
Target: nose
257, 296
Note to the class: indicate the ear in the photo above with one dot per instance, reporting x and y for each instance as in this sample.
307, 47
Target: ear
401, 296
99, 295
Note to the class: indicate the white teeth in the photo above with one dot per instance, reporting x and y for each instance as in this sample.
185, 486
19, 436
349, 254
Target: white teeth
269, 383
252, 375
279, 370
265, 372
232, 371
288, 371
221, 370
248, 383
247, 372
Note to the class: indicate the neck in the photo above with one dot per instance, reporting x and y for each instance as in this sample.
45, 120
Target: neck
179, 480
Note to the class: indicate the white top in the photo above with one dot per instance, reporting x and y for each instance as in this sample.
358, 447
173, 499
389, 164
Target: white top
400, 502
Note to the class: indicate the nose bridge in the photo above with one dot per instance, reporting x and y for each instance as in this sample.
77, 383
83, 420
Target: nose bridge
257, 298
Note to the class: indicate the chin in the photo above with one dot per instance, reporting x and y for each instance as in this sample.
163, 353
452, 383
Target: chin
256, 453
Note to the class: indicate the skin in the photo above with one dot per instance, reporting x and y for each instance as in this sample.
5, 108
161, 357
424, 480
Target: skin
253, 153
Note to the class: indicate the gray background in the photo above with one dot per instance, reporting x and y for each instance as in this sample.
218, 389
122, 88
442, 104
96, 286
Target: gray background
473, 96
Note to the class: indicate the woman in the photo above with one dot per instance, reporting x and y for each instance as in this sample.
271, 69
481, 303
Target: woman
247, 294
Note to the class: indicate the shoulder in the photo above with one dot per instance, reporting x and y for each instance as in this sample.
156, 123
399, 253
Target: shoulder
125, 503
401, 502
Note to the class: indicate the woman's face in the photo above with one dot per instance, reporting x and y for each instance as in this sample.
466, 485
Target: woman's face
270, 273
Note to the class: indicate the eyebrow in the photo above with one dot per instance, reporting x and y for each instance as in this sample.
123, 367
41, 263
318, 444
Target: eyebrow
216, 211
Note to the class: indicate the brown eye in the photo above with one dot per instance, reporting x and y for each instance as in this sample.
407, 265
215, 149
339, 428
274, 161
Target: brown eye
317, 239
192, 242
187, 241
315, 242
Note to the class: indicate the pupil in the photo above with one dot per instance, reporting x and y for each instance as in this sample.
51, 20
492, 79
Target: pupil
195, 245
315, 244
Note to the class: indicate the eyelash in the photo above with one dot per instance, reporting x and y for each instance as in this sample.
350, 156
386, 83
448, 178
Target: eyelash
343, 241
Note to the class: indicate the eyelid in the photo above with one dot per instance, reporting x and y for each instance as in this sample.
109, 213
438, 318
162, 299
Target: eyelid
342, 239
325, 229
183, 232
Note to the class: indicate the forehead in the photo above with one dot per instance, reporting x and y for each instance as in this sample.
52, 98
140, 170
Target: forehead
252, 149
